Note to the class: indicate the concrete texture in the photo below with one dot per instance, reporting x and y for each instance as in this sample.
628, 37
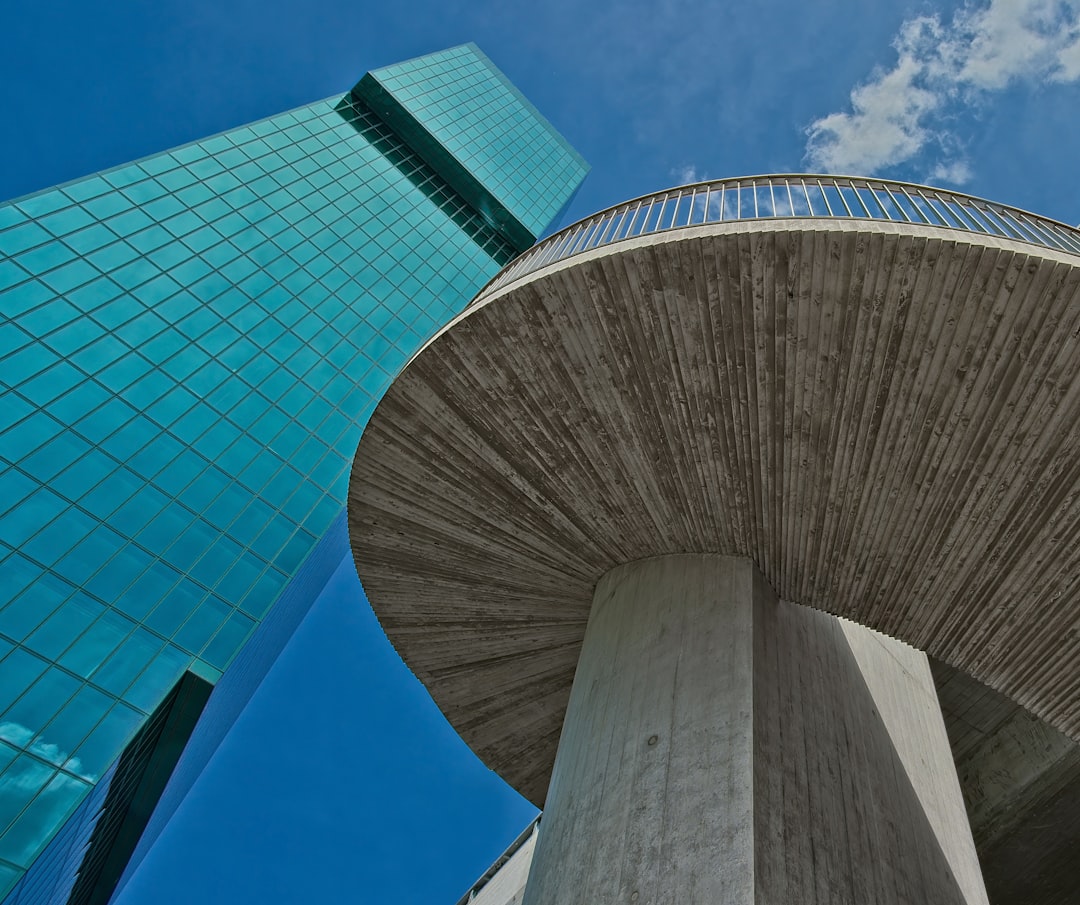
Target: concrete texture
507, 883
1020, 780
884, 417
1021, 784
723, 746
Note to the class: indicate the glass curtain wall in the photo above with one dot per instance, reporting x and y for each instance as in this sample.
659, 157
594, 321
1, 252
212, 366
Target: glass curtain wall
189, 348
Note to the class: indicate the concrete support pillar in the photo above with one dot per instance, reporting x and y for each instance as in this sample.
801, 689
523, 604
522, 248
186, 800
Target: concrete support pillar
721, 746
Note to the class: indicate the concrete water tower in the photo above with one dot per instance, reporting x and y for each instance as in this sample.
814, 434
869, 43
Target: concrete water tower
669, 518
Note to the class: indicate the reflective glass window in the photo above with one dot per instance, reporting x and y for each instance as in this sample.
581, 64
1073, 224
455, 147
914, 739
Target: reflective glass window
105, 742
57, 633
150, 587
36, 705
160, 675
50, 544
238, 579
129, 659
165, 527
97, 643
71, 725
174, 609
42, 817
91, 554
202, 625
228, 640
30, 516
19, 783
18, 671
202, 306
86, 472
14, 486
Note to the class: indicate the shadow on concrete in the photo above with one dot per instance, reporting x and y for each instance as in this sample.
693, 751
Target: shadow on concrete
837, 816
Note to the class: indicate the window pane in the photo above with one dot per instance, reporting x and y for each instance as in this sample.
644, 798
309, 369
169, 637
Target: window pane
20, 782
66, 732
61, 629
102, 746
38, 705
128, 661
100, 640
41, 819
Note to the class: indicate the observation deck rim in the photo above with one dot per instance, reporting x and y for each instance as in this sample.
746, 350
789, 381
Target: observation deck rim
1030, 228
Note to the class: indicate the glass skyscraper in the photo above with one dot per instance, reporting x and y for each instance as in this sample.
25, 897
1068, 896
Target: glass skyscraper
189, 348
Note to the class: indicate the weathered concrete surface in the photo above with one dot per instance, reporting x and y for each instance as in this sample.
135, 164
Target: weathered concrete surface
723, 746
1021, 784
885, 418
652, 795
1020, 780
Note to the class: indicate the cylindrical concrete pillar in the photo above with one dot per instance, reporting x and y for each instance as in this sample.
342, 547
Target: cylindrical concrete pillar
721, 746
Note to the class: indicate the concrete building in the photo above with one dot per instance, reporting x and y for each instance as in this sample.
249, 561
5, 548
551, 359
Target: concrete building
189, 347
504, 882
738, 528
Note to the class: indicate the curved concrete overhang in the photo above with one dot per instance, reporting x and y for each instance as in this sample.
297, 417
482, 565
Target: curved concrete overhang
884, 416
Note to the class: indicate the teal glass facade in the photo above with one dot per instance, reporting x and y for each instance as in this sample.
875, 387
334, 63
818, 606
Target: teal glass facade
189, 348
482, 148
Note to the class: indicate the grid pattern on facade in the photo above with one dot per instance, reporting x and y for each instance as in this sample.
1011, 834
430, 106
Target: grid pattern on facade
497, 140
70, 868
243, 677
189, 347
141, 772
58, 866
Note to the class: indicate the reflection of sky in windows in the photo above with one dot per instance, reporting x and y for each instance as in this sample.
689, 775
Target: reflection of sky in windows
189, 347
488, 126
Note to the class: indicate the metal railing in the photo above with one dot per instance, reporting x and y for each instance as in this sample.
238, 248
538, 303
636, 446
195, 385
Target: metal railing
789, 196
500, 862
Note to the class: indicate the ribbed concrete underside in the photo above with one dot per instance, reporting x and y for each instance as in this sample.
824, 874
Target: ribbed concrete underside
1021, 785
883, 417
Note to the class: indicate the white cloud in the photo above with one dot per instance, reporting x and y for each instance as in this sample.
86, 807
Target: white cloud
685, 174
885, 127
16, 733
1069, 59
1010, 39
956, 172
902, 111
19, 735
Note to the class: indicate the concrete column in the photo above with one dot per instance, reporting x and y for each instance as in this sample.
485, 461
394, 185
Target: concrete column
721, 746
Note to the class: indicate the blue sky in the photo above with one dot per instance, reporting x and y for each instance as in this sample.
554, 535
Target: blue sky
340, 773
982, 97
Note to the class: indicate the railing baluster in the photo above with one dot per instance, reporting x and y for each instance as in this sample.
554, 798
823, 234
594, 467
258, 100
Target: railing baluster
615, 218
943, 217
894, 201
825, 198
1048, 236
843, 200
633, 220
582, 238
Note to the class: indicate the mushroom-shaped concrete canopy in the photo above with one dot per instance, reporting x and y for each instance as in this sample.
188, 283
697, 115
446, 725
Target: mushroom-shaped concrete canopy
884, 414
